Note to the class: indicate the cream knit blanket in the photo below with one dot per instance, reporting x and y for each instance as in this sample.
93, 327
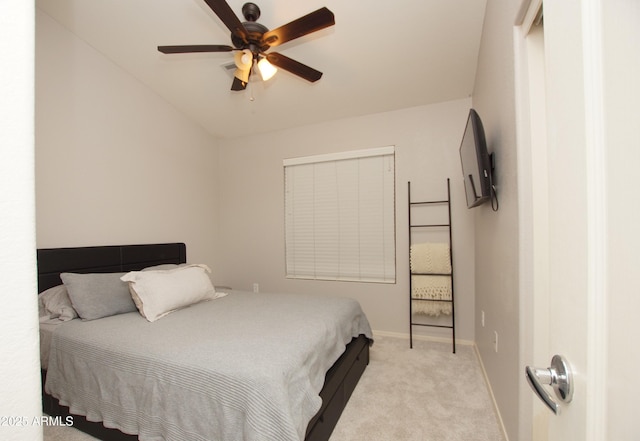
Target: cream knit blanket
433, 288
432, 258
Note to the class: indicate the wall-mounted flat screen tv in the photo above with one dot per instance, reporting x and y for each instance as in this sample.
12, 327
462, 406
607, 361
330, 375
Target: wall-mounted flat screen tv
476, 162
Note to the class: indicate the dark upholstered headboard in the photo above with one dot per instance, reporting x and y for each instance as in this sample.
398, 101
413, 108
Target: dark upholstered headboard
104, 259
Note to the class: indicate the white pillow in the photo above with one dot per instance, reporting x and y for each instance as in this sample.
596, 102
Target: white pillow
163, 266
157, 293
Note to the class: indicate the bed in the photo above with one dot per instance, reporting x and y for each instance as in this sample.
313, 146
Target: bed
201, 393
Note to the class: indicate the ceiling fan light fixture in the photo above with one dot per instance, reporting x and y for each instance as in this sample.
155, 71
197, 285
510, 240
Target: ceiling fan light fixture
267, 70
244, 61
242, 75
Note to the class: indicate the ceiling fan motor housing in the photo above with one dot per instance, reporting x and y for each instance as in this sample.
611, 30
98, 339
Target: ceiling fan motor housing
255, 31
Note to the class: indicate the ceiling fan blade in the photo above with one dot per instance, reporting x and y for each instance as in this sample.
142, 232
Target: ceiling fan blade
238, 84
194, 48
320, 19
293, 66
228, 17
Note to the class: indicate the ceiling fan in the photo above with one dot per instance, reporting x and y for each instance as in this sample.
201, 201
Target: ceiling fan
251, 41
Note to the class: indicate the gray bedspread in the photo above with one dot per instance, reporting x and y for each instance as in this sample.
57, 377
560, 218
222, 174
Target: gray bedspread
243, 367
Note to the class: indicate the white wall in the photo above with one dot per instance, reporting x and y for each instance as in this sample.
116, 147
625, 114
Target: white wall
115, 164
497, 233
19, 364
252, 205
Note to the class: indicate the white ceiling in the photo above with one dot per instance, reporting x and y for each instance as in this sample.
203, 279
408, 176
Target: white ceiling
380, 56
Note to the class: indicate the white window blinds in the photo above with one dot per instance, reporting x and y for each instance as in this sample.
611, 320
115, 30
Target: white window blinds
340, 216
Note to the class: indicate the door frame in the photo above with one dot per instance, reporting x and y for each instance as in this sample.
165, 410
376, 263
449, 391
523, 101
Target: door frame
532, 215
534, 293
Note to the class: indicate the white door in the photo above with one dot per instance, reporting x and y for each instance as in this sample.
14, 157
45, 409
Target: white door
583, 180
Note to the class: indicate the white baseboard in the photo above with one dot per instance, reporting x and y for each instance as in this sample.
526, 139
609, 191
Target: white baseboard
422, 337
493, 398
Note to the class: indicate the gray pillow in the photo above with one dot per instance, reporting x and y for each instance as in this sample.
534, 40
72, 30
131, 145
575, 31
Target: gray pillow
55, 303
98, 295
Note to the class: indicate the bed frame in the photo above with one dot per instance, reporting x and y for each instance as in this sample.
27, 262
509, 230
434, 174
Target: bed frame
340, 380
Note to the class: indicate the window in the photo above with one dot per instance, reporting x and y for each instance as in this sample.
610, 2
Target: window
340, 216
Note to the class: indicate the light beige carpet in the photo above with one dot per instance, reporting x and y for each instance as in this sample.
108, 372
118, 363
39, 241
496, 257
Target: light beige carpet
420, 394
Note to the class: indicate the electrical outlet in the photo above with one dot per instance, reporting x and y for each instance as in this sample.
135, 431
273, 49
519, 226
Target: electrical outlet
495, 340
256, 287
482, 318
